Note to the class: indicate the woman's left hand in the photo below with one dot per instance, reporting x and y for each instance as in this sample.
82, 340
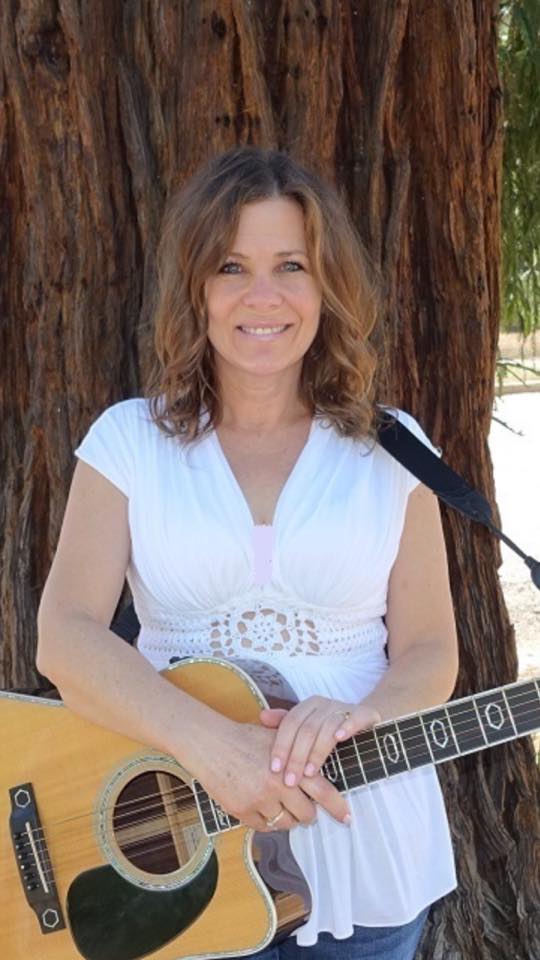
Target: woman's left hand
308, 732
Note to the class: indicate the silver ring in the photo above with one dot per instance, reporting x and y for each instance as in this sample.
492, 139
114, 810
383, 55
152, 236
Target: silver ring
274, 820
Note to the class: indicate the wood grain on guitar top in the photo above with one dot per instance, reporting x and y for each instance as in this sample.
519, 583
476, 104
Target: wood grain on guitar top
120, 845
110, 851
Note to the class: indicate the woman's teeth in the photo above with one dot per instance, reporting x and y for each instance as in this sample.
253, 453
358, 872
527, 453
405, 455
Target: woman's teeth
261, 331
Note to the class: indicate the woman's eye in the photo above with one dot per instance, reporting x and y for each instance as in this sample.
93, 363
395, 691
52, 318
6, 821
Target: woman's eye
233, 267
291, 266
230, 267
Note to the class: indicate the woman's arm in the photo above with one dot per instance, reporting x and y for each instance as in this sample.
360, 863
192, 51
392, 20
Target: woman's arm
422, 639
100, 676
422, 651
110, 683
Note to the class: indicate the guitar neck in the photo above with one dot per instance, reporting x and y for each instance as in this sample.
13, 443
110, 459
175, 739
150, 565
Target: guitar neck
431, 736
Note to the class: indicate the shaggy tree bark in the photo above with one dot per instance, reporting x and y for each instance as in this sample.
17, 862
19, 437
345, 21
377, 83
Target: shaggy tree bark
105, 107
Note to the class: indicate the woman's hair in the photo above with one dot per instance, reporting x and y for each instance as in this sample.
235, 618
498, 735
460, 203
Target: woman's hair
199, 226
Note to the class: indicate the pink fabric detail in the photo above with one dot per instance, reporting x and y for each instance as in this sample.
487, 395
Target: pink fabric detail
262, 553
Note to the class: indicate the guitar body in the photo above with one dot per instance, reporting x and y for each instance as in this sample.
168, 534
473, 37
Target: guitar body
103, 850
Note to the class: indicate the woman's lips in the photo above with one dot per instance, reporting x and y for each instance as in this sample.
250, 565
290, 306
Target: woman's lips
264, 333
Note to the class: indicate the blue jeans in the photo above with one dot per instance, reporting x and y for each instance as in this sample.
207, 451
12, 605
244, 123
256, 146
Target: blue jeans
366, 943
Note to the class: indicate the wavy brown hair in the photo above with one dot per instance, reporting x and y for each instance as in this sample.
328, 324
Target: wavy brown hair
199, 226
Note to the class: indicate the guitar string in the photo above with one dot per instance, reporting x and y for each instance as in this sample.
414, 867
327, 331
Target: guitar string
49, 870
183, 791
156, 848
343, 758
49, 873
344, 754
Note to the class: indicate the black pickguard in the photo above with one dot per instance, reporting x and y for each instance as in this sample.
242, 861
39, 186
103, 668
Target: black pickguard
111, 919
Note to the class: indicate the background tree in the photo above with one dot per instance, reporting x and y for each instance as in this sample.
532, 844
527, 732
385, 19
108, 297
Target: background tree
520, 69
105, 108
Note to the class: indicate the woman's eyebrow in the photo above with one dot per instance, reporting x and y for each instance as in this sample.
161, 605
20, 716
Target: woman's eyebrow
280, 253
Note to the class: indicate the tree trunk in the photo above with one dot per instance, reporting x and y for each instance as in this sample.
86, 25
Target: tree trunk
105, 107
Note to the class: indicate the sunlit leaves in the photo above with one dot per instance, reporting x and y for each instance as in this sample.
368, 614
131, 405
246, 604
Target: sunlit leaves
519, 51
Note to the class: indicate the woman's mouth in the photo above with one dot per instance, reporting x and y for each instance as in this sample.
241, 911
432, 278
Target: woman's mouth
264, 333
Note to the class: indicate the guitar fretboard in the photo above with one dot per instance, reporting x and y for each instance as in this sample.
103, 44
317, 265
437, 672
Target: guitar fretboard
431, 736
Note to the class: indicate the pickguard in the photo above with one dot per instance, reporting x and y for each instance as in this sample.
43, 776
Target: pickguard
111, 919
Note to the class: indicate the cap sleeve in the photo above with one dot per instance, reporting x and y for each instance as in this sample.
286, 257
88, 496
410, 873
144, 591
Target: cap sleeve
408, 421
108, 446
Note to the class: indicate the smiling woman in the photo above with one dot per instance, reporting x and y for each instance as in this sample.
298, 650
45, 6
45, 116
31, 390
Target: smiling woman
256, 241
264, 307
256, 436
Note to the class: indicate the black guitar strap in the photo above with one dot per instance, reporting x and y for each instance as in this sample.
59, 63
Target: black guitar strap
448, 485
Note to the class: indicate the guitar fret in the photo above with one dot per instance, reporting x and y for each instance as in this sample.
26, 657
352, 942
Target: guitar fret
391, 748
220, 816
371, 760
441, 739
524, 705
226, 821
509, 712
452, 731
333, 771
210, 809
420, 717
214, 818
359, 760
380, 751
495, 716
415, 741
466, 725
404, 752
341, 771
205, 808
475, 705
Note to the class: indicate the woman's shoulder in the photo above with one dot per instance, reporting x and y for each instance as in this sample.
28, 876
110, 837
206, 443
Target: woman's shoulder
114, 439
124, 423
131, 407
126, 414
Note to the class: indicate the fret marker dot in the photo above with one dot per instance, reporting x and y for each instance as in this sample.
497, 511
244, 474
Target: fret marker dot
438, 729
494, 716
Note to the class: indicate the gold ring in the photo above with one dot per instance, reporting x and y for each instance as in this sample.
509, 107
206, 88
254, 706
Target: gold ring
278, 816
342, 713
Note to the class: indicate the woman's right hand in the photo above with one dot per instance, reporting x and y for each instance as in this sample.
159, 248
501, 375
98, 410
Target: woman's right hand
233, 766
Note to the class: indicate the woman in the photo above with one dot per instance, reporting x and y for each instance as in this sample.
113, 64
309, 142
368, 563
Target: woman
255, 515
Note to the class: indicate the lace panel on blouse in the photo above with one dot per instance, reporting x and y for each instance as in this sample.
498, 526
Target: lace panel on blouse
260, 628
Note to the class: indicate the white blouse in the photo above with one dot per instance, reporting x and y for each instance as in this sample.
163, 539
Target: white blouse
307, 595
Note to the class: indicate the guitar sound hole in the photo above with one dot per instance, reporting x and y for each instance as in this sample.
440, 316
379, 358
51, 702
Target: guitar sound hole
156, 823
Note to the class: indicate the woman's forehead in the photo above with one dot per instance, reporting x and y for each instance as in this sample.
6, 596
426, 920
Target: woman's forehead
276, 223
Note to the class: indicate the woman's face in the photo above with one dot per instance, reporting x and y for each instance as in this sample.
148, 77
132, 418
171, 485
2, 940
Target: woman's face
264, 303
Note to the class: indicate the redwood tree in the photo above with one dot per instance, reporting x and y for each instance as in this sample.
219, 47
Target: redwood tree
106, 106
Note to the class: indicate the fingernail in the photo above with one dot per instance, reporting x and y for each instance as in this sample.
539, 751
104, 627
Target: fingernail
340, 733
309, 770
290, 779
276, 764
347, 819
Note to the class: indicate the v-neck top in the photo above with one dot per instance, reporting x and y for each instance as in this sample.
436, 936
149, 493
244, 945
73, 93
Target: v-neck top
238, 492
306, 594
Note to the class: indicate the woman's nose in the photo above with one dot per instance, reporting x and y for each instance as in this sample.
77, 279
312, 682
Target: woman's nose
263, 293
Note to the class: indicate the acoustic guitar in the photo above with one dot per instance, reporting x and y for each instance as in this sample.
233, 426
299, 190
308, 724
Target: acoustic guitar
110, 850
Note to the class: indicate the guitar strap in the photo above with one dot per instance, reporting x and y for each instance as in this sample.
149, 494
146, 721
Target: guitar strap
448, 485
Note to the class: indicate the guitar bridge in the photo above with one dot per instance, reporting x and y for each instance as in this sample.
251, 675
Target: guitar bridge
33, 862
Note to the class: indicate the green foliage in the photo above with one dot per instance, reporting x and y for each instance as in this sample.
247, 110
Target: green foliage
519, 57
506, 369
